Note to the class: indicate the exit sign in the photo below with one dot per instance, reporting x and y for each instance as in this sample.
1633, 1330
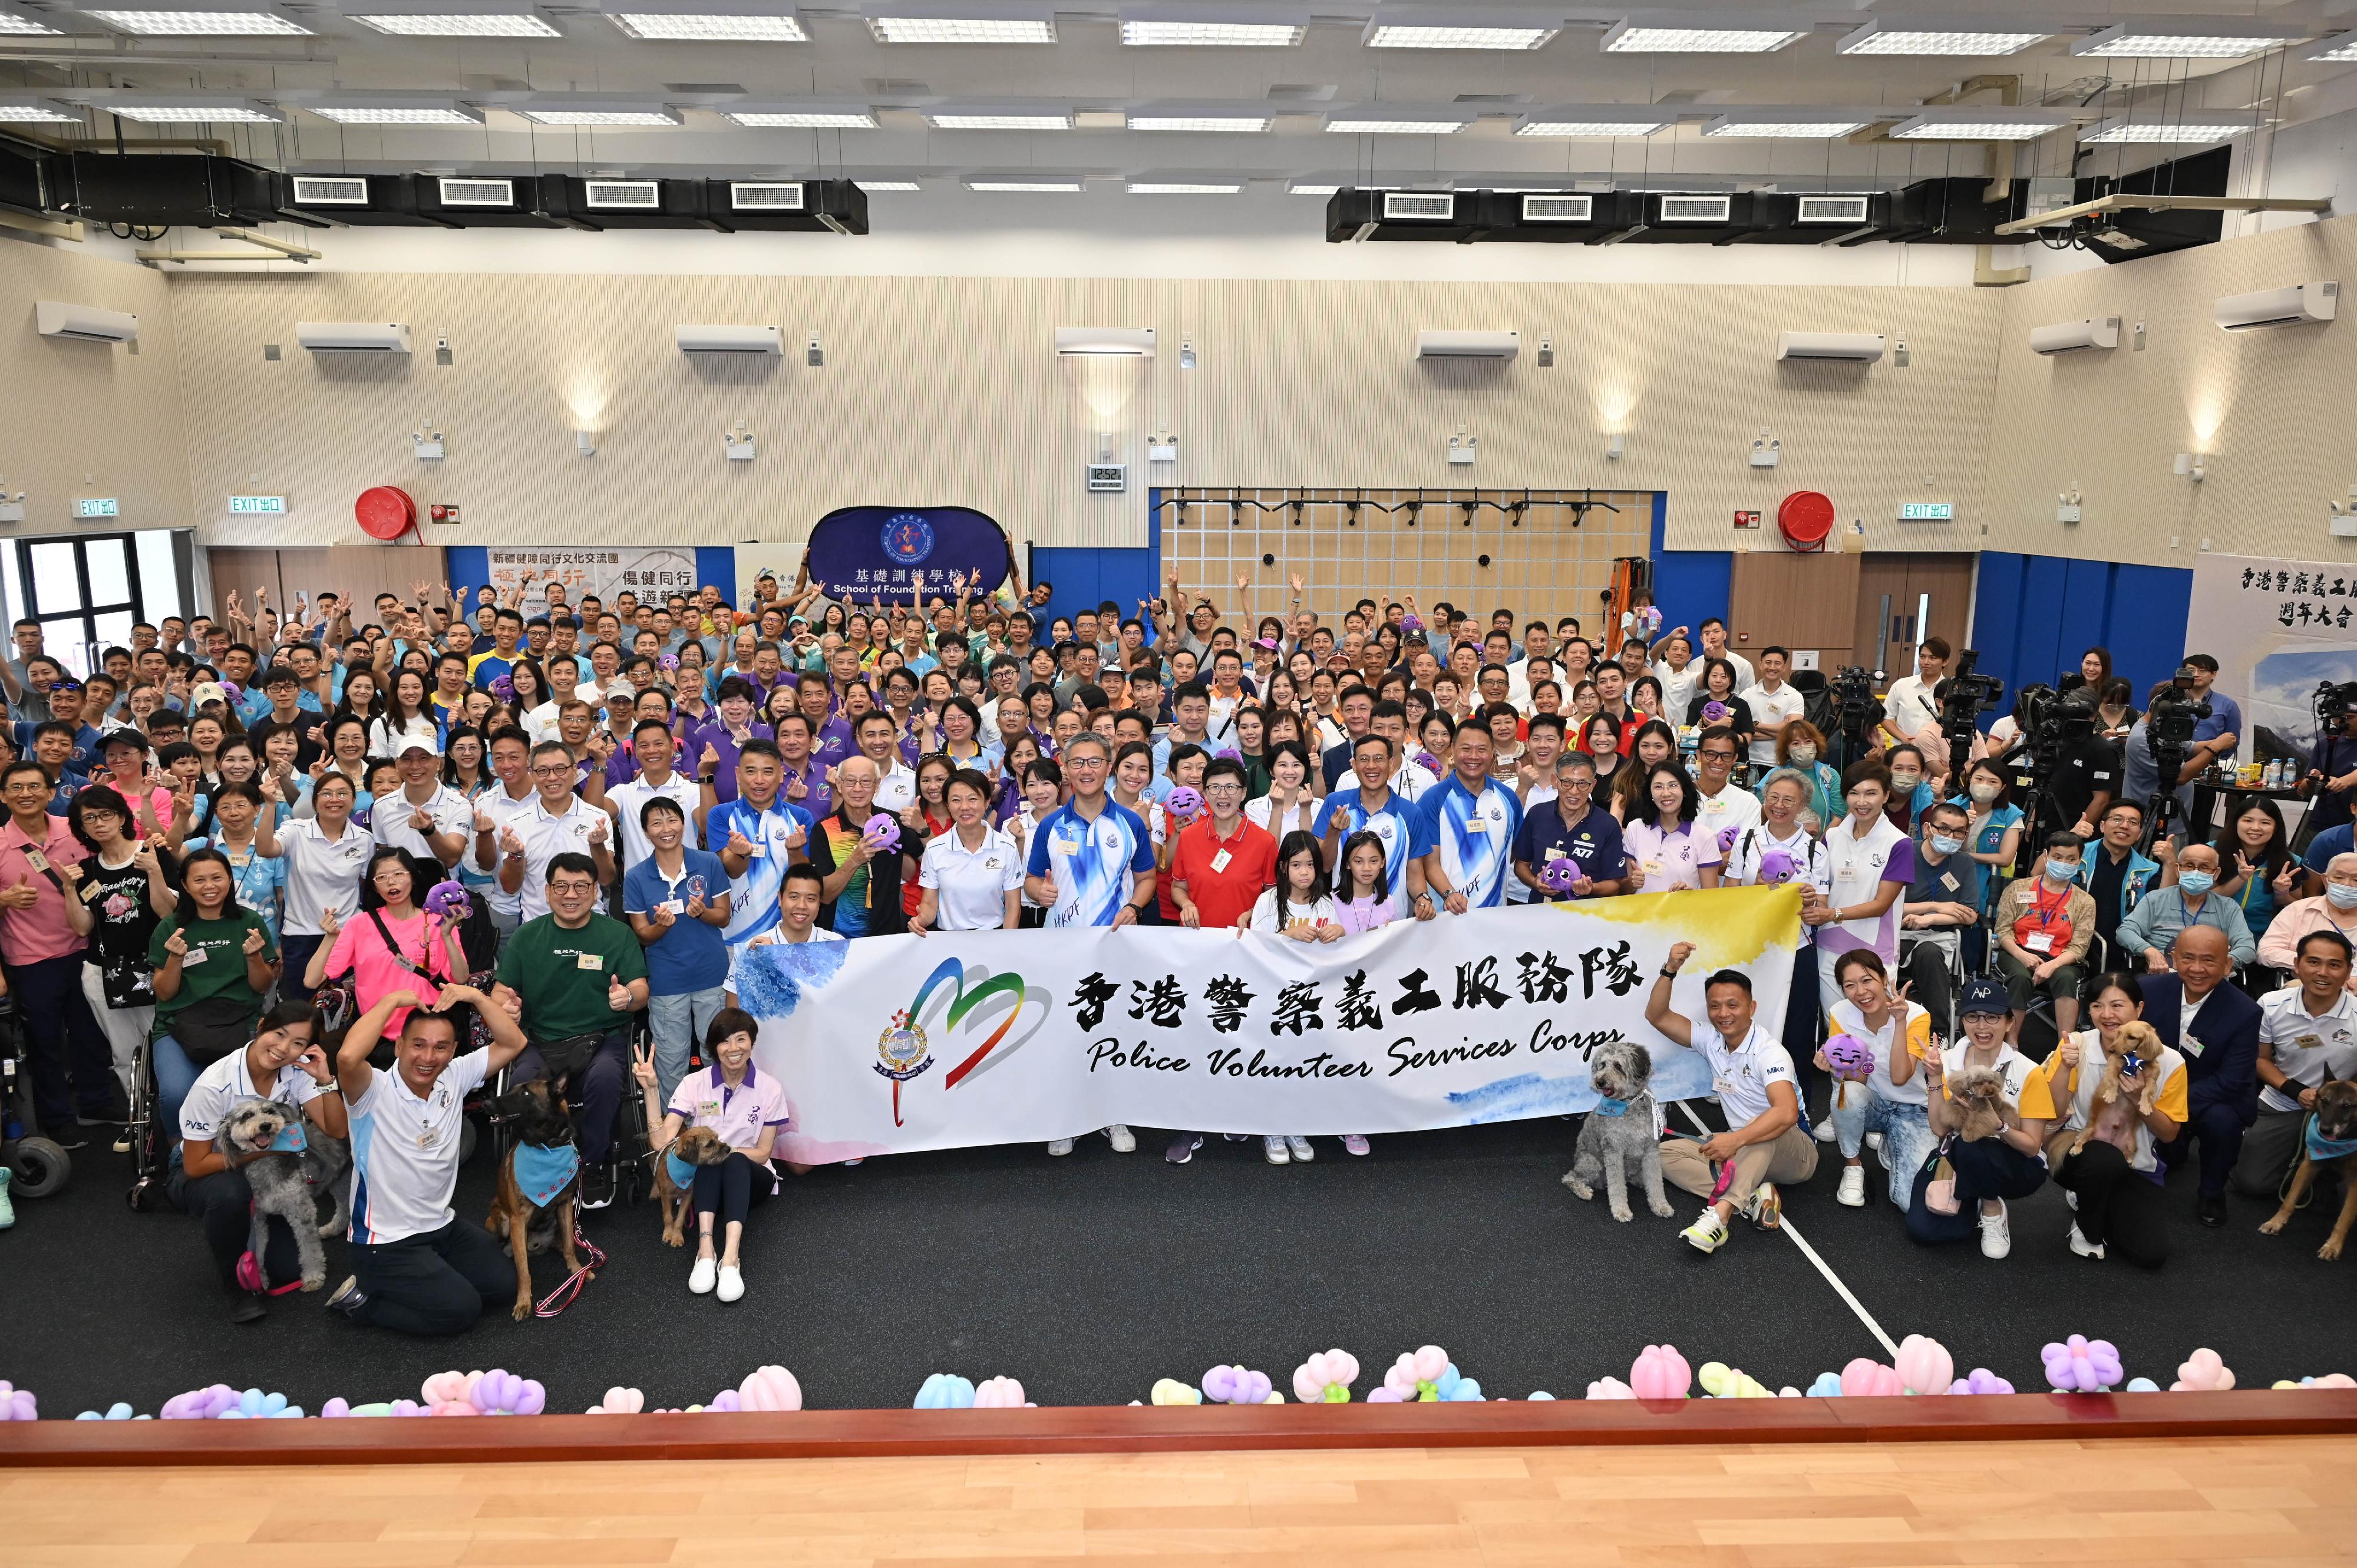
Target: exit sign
96, 506
1927, 511
257, 506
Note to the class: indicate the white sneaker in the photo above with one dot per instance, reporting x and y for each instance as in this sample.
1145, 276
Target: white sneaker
2085, 1248
699, 1278
1274, 1146
1996, 1233
1060, 1145
1124, 1141
1707, 1234
1882, 1152
732, 1285
1852, 1192
1824, 1131
1302, 1152
2071, 1198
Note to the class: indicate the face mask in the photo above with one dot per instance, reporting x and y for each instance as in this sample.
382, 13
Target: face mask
2342, 895
1803, 754
1946, 845
2194, 884
1987, 792
2058, 873
1905, 780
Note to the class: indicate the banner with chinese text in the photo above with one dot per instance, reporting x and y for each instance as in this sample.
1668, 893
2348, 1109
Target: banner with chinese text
2278, 628
893, 1044
651, 573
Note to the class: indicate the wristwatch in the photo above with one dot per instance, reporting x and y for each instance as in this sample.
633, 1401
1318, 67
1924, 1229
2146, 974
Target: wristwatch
1668, 973
1421, 899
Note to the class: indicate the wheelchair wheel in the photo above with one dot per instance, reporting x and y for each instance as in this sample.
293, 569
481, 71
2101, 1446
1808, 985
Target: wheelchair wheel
40, 1167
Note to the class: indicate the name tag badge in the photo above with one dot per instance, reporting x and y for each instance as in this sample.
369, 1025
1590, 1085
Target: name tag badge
676, 906
760, 849
1068, 843
2190, 1046
37, 860
1220, 861
590, 961
2038, 941
193, 957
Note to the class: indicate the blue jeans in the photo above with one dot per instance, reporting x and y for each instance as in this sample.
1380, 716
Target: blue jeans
1906, 1131
175, 1076
678, 1023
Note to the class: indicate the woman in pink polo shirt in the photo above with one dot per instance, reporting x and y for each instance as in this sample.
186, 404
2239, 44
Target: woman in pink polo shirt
746, 1109
392, 944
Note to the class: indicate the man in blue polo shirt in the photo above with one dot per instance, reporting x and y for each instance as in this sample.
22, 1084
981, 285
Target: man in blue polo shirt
1471, 821
1570, 827
1373, 806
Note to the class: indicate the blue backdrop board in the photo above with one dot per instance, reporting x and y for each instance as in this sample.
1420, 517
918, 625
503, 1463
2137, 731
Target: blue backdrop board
1081, 577
1689, 586
864, 551
2034, 616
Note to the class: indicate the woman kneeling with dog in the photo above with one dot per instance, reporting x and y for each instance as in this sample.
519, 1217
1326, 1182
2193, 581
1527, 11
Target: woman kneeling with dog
740, 1111
2101, 1102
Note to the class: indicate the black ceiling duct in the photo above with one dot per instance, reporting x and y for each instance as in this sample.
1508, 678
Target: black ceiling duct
786, 206
492, 200
1811, 218
1948, 212
1556, 217
368, 200
1428, 215
1699, 217
2127, 235
588, 201
162, 190
34, 179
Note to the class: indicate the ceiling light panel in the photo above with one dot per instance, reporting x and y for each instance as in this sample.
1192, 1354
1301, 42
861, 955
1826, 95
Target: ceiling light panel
2206, 40
2194, 128
1398, 119
1016, 185
188, 22
977, 119
452, 18
1382, 35
1591, 122
875, 184
801, 116
947, 22
1227, 122
605, 111
188, 108
1635, 37
708, 27
23, 110
1213, 26
1184, 188
365, 111
1915, 37
1981, 126
1830, 123
2338, 47
23, 22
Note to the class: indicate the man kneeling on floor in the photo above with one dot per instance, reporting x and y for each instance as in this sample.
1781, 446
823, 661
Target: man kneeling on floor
1767, 1138
417, 1268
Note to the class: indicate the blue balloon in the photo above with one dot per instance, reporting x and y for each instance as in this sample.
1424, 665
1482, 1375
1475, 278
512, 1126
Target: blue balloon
1827, 1386
2142, 1386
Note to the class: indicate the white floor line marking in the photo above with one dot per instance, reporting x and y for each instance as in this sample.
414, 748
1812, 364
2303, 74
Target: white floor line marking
1833, 1279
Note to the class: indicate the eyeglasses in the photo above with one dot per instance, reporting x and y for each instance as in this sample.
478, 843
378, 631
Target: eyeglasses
1224, 787
555, 771
1719, 756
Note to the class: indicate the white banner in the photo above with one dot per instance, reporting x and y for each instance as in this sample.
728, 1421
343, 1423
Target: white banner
2278, 628
892, 1044
651, 573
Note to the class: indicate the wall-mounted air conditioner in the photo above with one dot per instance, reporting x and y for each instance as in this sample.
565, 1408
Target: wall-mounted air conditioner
1441, 344
352, 337
85, 323
2293, 306
1134, 342
2069, 337
1858, 348
730, 340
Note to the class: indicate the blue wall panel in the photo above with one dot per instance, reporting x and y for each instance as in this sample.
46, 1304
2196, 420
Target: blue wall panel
467, 566
2033, 615
1689, 586
1083, 578
716, 564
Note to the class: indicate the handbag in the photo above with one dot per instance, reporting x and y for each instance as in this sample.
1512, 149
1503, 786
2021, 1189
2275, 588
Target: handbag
211, 1029
1940, 1191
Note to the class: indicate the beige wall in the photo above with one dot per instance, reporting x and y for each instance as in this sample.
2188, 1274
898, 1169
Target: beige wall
2272, 408
945, 390
89, 419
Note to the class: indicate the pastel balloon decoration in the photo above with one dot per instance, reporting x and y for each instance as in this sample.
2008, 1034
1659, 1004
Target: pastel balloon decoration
997, 1393
1224, 1384
1183, 803
1788, 1392
1981, 1380
17, 1404
501, 1392
118, 1411
254, 1406
1660, 1373
1170, 1390
727, 1401
2082, 1366
1925, 1365
2142, 1386
1865, 1379
1541, 1394
445, 1387
200, 1404
1610, 1389
2329, 1380
944, 1390
1827, 1386
883, 834
1326, 1378
2202, 1372
1416, 1374
774, 1388
1725, 1382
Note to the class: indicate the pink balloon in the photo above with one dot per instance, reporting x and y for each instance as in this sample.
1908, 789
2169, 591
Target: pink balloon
770, 1388
1390, 1395
444, 1387
998, 1393
2202, 1370
1660, 1373
1924, 1366
1610, 1389
1866, 1377
1430, 1362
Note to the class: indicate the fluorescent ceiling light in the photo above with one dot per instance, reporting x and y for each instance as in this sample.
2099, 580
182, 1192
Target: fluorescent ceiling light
875, 184
705, 22
1311, 188
950, 22
1197, 26
395, 112
1184, 188
999, 120
560, 111
1201, 122
1914, 38
2338, 47
1017, 183
801, 116
1979, 126
24, 110
1382, 35
2202, 40
452, 18
1829, 122
1575, 121
2195, 127
21, 22
188, 108
187, 21
1399, 119
1633, 37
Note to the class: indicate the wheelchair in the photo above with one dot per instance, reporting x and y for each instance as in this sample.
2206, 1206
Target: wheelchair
627, 1169
37, 1166
144, 1139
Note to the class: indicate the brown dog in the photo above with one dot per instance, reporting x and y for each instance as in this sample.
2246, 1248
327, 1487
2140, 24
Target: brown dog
697, 1146
2335, 1119
537, 1114
2114, 1115
1981, 1092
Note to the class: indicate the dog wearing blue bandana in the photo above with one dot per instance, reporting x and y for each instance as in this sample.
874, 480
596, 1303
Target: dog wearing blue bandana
533, 1208
2329, 1139
675, 1177
1620, 1132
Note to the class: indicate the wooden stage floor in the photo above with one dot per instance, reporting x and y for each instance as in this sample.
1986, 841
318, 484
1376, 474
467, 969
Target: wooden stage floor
2146, 1502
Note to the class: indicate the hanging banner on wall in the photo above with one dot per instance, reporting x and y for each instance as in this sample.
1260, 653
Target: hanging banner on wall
864, 552
648, 572
2278, 630
895, 1044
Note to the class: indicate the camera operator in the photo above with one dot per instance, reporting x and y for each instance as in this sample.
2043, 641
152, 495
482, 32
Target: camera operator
2333, 774
2174, 718
2223, 719
2080, 768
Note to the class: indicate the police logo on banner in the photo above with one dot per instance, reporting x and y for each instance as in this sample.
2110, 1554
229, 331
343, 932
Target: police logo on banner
907, 537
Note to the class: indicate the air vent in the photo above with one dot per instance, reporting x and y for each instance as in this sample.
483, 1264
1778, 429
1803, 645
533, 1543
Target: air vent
636, 195
1697, 209
1557, 209
1844, 209
752, 196
1420, 205
478, 192
311, 190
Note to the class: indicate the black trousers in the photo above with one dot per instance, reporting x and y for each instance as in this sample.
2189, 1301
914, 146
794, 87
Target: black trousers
72, 1064
2119, 1206
437, 1283
727, 1190
2220, 1132
1989, 1168
595, 1092
225, 1203
1801, 1039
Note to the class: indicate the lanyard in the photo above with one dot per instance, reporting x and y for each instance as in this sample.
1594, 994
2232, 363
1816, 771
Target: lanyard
2046, 914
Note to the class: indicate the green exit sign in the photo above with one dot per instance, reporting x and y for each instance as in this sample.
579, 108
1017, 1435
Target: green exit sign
1927, 511
257, 506
102, 505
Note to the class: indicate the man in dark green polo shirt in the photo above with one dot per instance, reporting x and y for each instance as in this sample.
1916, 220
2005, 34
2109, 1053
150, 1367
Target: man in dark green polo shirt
573, 978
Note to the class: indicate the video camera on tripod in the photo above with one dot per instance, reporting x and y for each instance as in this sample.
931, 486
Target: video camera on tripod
2170, 722
1963, 696
1854, 712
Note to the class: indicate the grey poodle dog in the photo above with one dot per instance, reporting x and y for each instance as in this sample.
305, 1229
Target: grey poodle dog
285, 1182
1612, 1140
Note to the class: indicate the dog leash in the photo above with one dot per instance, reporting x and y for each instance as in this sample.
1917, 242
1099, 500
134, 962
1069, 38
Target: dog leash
563, 1295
